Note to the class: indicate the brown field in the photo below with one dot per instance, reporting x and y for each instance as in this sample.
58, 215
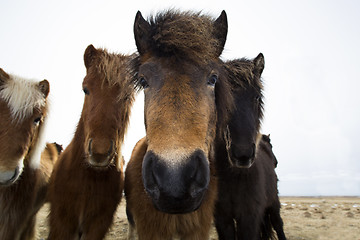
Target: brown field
305, 218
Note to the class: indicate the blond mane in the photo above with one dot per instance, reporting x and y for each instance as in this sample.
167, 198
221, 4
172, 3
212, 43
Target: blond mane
22, 96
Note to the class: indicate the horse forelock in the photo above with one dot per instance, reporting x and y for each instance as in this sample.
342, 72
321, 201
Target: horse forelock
22, 96
239, 72
188, 35
240, 75
118, 69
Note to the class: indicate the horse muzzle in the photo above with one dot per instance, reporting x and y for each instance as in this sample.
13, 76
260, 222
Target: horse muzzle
242, 157
100, 159
176, 189
9, 177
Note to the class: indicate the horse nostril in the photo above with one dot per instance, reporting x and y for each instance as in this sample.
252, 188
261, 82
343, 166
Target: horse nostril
89, 147
9, 177
253, 151
150, 176
16, 173
111, 149
199, 173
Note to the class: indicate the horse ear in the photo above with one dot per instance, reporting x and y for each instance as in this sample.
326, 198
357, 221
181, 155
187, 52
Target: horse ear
141, 33
90, 55
220, 31
59, 147
259, 63
3, 76
44, 87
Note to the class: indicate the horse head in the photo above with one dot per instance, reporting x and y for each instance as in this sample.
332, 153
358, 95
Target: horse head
109, 94
181, 74
242, 133
23, 109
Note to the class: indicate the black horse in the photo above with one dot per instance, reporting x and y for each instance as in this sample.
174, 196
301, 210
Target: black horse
248, 205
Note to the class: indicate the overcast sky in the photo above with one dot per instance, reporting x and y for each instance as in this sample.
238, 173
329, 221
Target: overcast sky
311, 76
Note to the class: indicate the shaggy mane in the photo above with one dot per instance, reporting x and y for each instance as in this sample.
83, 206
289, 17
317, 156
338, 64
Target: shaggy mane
23, 96
183, 35
240, 74
118, 69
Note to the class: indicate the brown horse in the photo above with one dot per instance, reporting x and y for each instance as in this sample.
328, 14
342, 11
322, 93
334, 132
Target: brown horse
87, 182
23, 111
248, 206
170, 183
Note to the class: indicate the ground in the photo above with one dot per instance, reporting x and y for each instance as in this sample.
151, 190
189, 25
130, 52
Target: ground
323, 218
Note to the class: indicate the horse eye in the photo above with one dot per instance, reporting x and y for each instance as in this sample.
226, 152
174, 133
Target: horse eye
37, 120
212, 80
86, 90
143, 82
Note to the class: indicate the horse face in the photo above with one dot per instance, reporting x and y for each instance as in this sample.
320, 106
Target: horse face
104, 111
242, 135
180, 119
23, 110
242, 130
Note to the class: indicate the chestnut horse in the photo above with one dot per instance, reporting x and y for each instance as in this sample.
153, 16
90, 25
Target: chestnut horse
170, 183
248, 204
23, 111
87, 182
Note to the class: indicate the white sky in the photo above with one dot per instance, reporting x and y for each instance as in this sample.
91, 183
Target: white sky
311, 72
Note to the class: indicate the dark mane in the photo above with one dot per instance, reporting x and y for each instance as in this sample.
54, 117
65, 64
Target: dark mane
241, 73
187, 35
225, 104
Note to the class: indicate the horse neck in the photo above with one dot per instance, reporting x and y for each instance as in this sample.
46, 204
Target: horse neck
76, 148
266, 148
